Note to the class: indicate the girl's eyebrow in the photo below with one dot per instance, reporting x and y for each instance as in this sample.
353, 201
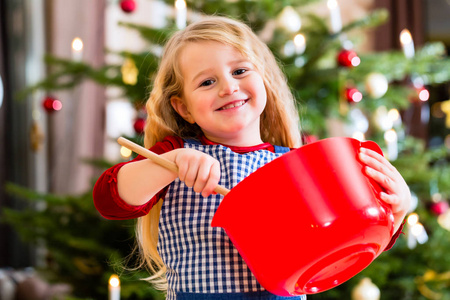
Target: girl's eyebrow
201, 73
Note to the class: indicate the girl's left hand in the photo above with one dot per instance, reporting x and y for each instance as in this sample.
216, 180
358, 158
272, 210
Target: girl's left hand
396, 191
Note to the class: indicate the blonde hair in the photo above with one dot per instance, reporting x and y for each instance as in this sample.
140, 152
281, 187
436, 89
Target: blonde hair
279, 120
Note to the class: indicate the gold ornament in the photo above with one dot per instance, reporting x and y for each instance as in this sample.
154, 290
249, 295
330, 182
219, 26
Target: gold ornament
445, 107
88, 266
431, 276
36, 137
366, 290
129, 72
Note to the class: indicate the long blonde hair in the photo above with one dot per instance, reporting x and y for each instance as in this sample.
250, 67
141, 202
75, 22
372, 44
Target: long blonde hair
279, 120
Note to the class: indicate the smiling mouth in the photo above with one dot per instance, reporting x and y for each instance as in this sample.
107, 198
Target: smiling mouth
233, 105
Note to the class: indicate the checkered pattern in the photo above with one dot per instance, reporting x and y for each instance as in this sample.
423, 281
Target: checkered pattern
200, 258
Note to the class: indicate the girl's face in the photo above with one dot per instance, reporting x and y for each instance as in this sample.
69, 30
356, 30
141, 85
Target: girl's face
223, 93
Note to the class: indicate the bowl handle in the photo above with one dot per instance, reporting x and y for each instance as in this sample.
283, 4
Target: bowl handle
372, 146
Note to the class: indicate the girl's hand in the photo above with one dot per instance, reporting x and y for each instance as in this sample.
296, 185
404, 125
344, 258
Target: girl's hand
197, 169
396, 191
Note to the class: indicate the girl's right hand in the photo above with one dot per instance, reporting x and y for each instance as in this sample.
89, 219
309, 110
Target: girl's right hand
198, 170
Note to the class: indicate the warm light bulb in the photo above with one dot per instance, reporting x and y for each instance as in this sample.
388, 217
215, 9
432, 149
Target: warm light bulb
114, 280
299, 40
289, 19
417, 229
125, 152
393, 114
390, 135
405, 37
407, 43
359, 136
300, 43
180, 4
332, 4
413, 219
77, 44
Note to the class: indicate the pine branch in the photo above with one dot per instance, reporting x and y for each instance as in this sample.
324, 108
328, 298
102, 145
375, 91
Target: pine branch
155, 36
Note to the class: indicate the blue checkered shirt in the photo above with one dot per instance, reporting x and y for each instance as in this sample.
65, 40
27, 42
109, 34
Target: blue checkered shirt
201, 259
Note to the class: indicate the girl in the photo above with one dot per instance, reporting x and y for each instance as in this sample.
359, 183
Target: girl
220, 108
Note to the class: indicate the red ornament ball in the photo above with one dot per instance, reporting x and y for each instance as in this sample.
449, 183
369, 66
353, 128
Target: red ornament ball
128, 6
348, 58
353, 95
51, 104
139, 125
308, 139
440, 207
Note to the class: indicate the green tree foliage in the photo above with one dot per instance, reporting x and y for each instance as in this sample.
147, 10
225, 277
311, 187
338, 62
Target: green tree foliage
82, 245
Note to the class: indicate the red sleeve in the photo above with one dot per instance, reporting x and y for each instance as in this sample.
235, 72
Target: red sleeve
106, 197
395, 237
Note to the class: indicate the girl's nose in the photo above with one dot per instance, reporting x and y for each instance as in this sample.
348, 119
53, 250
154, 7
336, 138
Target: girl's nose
228, 87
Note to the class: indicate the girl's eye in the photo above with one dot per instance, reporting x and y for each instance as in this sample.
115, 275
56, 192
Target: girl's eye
207, 82
239, 71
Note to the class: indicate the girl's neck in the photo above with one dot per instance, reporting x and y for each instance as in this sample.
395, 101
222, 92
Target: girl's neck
236, 141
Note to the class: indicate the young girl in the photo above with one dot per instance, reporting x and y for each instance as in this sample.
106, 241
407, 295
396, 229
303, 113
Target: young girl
220, 108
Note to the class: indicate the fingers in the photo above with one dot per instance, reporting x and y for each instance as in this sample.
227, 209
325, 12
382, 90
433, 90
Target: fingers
385, 181
396, 191
207, 176
183, 168
377, 161
391, 199
213, 180
191, 173
199, 171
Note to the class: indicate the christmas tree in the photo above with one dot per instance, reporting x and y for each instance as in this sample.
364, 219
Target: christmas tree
339, 92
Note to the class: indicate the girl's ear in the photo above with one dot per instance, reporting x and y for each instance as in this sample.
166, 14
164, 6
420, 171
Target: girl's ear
181, 108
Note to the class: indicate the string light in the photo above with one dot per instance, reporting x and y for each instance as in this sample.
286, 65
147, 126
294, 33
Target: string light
412, 219
359, 136
300, 43
289, 19
114, 280
419, 232
335, 16
391, 139
77, 49
125, 152
114, 287
405, 36
393, 114
416, 231
390, 135
407, 43
77, 44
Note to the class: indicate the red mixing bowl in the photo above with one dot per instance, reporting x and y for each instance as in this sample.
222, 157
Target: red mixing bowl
309, 220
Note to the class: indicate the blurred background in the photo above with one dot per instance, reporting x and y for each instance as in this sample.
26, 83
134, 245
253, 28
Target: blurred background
76, 73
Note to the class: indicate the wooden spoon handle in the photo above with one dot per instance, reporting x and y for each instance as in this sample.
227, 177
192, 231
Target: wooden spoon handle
160, 160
